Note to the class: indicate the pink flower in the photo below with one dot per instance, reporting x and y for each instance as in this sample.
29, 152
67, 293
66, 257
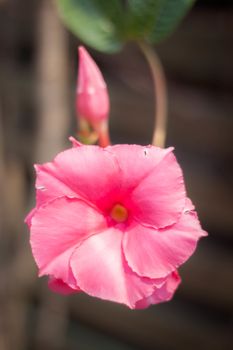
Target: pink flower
92, 101
113, 222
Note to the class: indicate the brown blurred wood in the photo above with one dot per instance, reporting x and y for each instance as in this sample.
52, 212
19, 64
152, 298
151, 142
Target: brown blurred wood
52, 321
2, 342
16, 320
165, 327
3, 337
12, 191
2, 176
207, 277
200, 51
201, 120
15, 309
15, 189
52, 69
53, 115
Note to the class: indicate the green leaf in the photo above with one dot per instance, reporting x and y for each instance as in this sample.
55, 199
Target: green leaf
107, 24
95, 22
168, 16
139, 18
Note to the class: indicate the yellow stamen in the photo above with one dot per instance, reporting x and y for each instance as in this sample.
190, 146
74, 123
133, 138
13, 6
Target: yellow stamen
119, 213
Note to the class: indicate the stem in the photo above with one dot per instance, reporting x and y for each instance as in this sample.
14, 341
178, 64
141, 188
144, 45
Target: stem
103, 133
159, 135
91, 132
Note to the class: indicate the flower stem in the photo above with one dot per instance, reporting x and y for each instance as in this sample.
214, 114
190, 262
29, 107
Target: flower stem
102, 130
93, 132
159, 135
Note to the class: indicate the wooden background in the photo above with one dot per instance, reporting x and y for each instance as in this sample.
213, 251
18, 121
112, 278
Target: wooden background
37, 84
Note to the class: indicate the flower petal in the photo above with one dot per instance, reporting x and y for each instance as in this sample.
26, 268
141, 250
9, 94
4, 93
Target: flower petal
188, 205
75, 143
136, 162
165, 293
101, 270
56, 229
87, 172
58, 286
49, 184
156, 253
159, 198
29, 217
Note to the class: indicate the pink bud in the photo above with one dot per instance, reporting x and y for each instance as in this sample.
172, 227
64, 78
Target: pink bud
92, 101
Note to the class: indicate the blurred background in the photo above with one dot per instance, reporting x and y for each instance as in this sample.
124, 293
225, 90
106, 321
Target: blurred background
38, 69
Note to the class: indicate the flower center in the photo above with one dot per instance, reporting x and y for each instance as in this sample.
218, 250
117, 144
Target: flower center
119, 213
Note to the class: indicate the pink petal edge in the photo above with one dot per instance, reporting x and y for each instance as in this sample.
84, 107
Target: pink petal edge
156, 253
56, 229
165, 293
58, 286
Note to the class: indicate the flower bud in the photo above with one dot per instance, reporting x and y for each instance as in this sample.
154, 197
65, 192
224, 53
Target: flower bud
92, 101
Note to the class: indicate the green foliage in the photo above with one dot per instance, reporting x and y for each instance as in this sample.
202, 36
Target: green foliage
107, 24
93, 22
167, 18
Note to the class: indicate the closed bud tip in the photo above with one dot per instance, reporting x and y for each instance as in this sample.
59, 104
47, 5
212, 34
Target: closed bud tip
92, 101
